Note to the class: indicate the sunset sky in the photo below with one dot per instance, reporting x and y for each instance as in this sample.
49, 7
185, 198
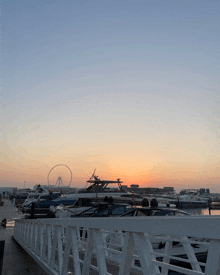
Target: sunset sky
131, 88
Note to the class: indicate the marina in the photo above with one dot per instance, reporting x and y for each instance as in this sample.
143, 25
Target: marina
103, 230
110, 138
137, 242
122, 242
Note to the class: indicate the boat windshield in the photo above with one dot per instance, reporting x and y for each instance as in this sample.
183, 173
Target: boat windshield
44, 197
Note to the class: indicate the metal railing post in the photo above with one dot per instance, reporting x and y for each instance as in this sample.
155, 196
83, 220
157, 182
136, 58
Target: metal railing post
2, 246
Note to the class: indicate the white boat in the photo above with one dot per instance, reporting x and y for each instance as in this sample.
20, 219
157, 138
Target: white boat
98, 191
40, 194
190, 201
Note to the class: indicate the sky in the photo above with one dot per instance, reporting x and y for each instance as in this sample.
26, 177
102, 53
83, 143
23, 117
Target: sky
129, 88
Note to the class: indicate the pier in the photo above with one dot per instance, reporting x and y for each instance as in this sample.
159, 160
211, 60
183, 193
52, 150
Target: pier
89, 246
122, 245
15, 260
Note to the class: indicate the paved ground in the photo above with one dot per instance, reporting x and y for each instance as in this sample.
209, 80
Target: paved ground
16, 261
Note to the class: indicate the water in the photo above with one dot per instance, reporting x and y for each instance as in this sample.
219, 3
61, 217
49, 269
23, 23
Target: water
201, 211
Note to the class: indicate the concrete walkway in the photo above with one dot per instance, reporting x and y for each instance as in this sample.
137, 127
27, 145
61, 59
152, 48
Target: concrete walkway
16, 261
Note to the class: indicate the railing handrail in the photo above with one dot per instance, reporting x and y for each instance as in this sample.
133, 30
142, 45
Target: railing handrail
151, 245
193, 226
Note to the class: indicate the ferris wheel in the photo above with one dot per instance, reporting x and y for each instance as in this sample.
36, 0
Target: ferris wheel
59, 181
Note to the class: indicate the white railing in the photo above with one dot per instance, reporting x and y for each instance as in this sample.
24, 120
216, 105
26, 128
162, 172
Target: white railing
131, 245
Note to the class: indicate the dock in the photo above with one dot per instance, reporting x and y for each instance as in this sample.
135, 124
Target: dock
215, 206
15, 260
123, 245
110, 246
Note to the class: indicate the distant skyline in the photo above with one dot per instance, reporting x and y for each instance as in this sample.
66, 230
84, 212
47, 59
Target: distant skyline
130, 88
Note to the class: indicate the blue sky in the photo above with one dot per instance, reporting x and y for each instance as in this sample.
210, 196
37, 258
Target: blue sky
100, 73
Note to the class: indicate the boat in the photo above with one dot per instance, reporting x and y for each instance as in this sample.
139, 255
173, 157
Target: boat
154, 211
83, 204
190, 201
104, 209
98, 191
20, 198
44, 204
40, 194
80, 205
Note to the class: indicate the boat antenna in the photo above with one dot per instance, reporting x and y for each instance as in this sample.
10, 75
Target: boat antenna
93, 175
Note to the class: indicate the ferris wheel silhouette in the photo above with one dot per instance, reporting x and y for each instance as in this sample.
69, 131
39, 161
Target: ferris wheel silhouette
59, 181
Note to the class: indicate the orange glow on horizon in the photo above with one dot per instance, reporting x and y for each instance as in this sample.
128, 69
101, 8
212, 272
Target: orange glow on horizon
130, 168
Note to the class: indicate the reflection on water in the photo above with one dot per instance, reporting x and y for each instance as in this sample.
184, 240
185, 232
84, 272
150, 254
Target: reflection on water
10, 224
199, 211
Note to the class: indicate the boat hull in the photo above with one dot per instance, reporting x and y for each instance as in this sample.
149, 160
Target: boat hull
191, 204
